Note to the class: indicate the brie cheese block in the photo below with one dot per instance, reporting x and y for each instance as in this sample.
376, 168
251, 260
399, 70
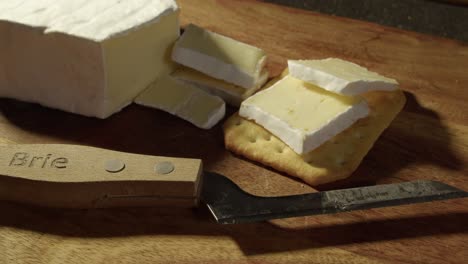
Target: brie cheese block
185, 101
87, 57
221, 57
340, 76
230, 93
302, 115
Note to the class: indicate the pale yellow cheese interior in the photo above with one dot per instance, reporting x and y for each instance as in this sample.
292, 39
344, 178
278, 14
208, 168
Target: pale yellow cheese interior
166, 94
183, 100
188, 74
303, 106
230, 93
201, 108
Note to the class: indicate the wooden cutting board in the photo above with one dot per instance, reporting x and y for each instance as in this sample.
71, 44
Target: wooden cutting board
428, 140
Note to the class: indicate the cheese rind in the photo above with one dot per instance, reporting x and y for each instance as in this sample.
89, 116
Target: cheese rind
220, 57
93, 20
230, 93
340, 76
93, 72
302, 115
185, 101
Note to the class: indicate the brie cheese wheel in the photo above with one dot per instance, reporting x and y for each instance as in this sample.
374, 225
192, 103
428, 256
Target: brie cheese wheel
87, 57
340, 76
221, 57
230, 93
302, 115
185, 101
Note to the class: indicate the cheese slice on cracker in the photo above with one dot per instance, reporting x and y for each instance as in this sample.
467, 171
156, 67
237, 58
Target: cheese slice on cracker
302, 115
340, 76
335, 159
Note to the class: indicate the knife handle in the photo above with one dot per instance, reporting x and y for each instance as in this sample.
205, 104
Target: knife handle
72, 176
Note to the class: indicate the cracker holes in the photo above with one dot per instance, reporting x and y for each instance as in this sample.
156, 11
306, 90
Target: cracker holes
238, 123
280, 150
268, 138
253, 140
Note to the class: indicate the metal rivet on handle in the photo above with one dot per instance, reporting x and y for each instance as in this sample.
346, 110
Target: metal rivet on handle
164, 167
114, 166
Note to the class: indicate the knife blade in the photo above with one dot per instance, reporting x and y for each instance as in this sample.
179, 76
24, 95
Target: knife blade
72, 176
229, 204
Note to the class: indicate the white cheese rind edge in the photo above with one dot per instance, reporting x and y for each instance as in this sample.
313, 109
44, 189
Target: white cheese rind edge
76, 18
335, 84
289, 135
215, 68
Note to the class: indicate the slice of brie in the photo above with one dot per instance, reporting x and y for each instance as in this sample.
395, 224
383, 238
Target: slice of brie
185, 101
340, 76
87, 57
302, 115
221, 57
230, 93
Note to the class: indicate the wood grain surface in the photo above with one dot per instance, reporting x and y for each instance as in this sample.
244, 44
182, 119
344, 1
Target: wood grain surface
428, 140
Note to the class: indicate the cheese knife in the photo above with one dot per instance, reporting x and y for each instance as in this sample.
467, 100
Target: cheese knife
72, 176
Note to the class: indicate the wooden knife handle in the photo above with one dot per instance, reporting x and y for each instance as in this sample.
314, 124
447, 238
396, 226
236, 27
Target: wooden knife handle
72, 176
